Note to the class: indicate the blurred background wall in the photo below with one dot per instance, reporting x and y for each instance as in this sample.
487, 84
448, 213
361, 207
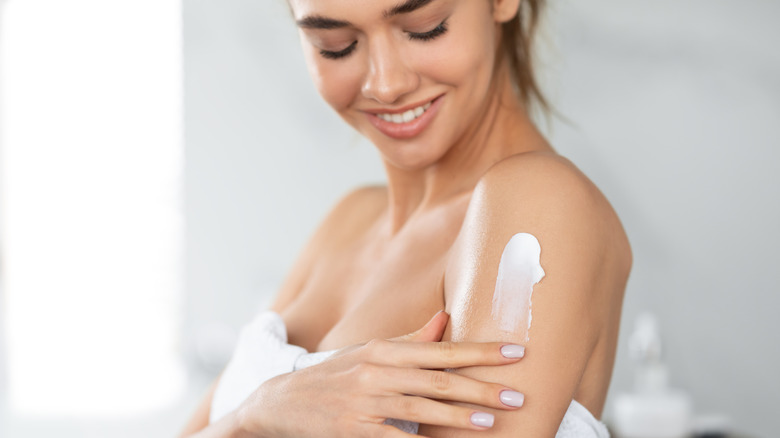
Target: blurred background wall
675, 110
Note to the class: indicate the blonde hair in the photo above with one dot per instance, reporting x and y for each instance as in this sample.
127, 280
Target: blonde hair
517, 43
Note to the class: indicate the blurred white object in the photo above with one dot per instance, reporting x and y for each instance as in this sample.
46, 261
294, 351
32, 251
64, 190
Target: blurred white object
645, 342
653, 410
662, 415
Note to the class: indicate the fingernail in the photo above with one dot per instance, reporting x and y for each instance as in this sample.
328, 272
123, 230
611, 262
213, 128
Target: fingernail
512, 398
482, 419
513, 351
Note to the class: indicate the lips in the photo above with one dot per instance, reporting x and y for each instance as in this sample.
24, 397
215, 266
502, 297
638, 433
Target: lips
404, 123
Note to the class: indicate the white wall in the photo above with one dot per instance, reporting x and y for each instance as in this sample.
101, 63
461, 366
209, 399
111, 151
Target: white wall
675, 107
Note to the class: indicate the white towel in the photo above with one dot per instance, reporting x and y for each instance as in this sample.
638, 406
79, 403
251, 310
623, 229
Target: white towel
578, 422
261, 353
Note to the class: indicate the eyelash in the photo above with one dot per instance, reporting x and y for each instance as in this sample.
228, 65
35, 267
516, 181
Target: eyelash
340, 54
436, 32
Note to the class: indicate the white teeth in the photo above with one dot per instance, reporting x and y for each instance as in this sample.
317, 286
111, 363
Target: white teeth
405, 117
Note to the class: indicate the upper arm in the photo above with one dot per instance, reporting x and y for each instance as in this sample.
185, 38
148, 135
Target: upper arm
353, 207
548, 198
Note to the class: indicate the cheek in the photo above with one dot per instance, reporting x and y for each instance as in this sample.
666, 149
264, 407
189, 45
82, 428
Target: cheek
461, 59
338, 81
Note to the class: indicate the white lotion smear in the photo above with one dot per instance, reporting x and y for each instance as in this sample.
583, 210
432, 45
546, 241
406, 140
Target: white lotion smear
518, 272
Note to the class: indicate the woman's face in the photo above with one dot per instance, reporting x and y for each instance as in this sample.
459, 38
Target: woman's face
410, 75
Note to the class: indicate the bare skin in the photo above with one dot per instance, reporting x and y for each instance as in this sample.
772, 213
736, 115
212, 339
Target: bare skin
387, 258
397, 278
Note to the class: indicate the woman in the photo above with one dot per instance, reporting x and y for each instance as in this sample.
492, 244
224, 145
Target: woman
477, 203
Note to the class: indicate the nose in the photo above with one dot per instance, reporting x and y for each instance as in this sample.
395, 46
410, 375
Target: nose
388, 77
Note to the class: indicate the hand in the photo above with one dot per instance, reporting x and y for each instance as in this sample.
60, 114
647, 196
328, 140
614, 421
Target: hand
356, 389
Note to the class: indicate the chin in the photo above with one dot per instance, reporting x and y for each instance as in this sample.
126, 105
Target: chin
410, 157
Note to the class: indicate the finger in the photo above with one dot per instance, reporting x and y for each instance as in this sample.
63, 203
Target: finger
449, 386
427, 411
432, 331
440, 355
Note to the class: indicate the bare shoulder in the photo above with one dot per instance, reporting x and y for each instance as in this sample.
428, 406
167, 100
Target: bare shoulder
367, 197
540, 176
353, 213
546, 195
547, 190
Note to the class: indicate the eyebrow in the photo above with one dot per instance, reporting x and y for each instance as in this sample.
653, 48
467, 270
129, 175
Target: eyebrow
406, 7
320, 22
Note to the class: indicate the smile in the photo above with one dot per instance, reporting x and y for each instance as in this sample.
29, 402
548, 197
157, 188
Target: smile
405, 123
405, 117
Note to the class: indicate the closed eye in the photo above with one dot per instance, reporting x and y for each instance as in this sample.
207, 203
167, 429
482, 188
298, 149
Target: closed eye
437, 31
341, 53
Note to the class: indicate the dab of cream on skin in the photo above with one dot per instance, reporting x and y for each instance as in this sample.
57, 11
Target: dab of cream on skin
518, 272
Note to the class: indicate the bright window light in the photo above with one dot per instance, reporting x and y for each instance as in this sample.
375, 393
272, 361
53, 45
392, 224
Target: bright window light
92, 159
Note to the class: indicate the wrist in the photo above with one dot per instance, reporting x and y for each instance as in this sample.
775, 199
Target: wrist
248, 426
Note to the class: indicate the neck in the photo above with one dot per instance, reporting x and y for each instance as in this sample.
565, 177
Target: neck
505, 129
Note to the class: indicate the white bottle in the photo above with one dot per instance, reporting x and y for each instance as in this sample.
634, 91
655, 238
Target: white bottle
653, 410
